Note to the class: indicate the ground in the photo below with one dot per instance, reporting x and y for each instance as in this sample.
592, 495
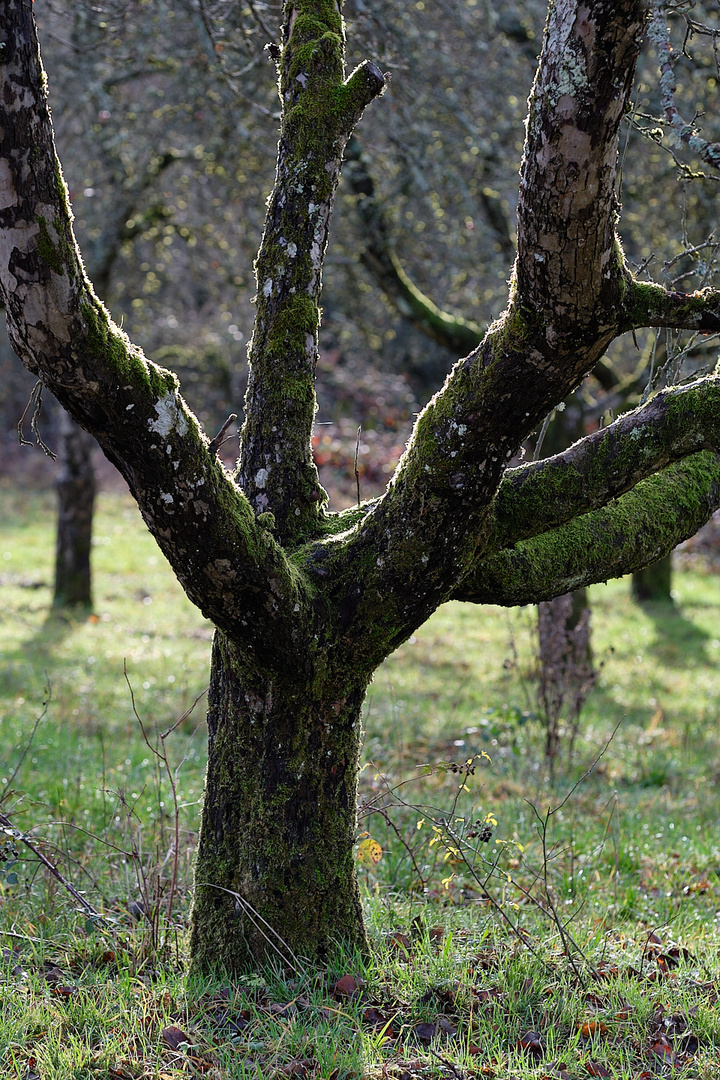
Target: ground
632, 857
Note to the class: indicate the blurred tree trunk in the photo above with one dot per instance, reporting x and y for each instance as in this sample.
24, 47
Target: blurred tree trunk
564, 636
654, 582
76, 500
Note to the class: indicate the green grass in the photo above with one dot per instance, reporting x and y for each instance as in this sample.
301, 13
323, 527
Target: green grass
635, 850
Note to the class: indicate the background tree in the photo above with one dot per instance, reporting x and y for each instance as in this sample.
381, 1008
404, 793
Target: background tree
307, 603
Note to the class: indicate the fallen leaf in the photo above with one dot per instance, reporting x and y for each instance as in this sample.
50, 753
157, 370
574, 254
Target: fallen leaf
425, 1032
532, 1042
399, 941
592, 1027
345, 987
663, 1050
174, 1037
277, 1008
594, 1068
299, 1067
557, 1070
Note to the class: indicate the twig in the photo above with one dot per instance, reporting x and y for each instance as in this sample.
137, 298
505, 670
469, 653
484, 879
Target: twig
87, 907
448, 1064
588, 771
217, 442
658, 33
357, 474
541, 436
28, 744
35, 400
252, 914
162, 758
185, 715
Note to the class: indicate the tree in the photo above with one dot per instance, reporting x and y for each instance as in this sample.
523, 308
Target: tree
307, 603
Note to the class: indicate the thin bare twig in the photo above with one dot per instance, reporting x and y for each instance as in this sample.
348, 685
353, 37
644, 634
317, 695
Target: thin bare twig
256, 918
87, 907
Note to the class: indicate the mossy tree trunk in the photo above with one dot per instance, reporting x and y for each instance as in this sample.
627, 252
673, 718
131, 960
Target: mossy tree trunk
279, 814
307, 603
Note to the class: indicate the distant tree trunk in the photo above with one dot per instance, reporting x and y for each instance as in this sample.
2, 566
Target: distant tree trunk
76, 499
654, 582
566, 673
282, 775
564, 653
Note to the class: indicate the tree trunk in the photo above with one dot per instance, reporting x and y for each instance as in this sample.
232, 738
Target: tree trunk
279, 816
566, 672
566, 662
76, 499
654, 582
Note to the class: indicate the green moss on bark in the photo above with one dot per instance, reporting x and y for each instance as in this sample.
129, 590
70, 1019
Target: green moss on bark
48, 250
114, 348
279, 818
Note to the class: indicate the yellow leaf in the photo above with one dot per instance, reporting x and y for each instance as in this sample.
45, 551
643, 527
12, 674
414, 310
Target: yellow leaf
369, 853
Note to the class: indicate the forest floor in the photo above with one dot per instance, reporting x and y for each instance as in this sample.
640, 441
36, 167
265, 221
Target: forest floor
522, 925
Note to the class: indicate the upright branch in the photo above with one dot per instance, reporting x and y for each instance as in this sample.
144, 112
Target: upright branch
430, 528
320, 108
226, 562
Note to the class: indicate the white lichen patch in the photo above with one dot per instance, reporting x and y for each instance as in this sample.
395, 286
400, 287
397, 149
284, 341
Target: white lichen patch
268, 287
166, 497
169, 417
261, 478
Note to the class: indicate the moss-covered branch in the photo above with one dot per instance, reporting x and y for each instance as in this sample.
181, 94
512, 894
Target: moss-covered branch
543, 494
319, 111
635, 530
647, 304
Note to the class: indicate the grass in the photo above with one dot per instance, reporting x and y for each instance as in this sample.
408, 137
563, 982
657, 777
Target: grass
629, 867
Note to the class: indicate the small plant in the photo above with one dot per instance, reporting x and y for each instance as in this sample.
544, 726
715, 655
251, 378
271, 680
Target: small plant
156, 873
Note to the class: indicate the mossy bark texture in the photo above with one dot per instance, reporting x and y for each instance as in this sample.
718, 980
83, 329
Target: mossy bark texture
307, 603
279, 815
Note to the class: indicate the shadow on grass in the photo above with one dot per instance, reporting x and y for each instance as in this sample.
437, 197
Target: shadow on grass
677, 637
39, 652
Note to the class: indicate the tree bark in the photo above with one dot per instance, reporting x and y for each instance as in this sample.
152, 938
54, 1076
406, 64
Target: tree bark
279, 816
76, 489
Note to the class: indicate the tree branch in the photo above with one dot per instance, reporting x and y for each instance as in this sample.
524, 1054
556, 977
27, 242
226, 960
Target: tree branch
541, 495
427, 532
229, 565
319, 111
378, 257
659, 35
647, 304
618, 539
